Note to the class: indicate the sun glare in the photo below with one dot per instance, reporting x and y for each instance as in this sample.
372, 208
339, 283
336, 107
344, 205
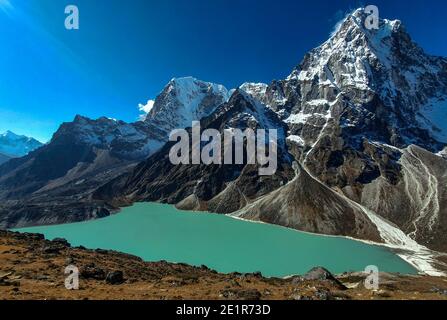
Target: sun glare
5, 5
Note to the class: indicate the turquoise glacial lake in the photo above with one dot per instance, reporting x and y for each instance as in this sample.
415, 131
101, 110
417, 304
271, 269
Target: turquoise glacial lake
157, 232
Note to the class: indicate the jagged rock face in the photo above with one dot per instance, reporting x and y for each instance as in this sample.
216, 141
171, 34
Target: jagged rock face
365, 94
218, 188
183, 101
384, 78
132, 141
350, 111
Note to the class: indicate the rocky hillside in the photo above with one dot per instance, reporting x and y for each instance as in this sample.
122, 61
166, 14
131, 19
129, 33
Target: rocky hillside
4, 158
32, 268
54, 183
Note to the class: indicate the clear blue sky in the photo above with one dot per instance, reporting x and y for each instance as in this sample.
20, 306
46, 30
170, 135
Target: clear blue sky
126, 51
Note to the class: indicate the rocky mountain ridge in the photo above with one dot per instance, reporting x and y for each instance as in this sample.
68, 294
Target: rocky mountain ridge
54, 183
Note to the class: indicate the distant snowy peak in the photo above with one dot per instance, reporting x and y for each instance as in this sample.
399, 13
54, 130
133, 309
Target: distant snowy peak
184, 100
132, 141
15, 145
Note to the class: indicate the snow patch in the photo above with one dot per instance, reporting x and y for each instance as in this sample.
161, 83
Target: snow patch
296, 139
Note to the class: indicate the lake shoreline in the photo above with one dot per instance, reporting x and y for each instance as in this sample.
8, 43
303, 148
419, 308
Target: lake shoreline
221, 243
395, 249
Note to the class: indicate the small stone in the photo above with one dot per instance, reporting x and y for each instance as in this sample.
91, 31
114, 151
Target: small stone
322, 274
62, 241
5, 274
90, 271
51, 249
242, 294
69, 260
115, 277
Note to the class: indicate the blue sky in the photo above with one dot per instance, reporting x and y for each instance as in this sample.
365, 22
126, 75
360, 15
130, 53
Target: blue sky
126, 51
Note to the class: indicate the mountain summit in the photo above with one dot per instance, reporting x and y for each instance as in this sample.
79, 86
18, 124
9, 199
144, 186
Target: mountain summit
184, 100
386, 77
14, 145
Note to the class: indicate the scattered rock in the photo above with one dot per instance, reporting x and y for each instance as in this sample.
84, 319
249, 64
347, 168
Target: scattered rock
297, 279
318, 273
439, 291
41, 277
62, 241
299, 297
115, 277
69, 261
322, 274
382, 294
243, 294
235, 283
90, 271
4, 275
323, 295
29, 236
53, 248
174, 281
9, 283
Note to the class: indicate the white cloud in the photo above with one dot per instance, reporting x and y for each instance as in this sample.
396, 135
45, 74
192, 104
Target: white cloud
146, 108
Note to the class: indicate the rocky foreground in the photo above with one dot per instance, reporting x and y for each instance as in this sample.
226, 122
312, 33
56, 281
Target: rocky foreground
33, 268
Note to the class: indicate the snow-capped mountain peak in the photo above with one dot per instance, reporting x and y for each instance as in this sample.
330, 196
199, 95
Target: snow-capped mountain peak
367, 65
254, 89
17, 145
184, 100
